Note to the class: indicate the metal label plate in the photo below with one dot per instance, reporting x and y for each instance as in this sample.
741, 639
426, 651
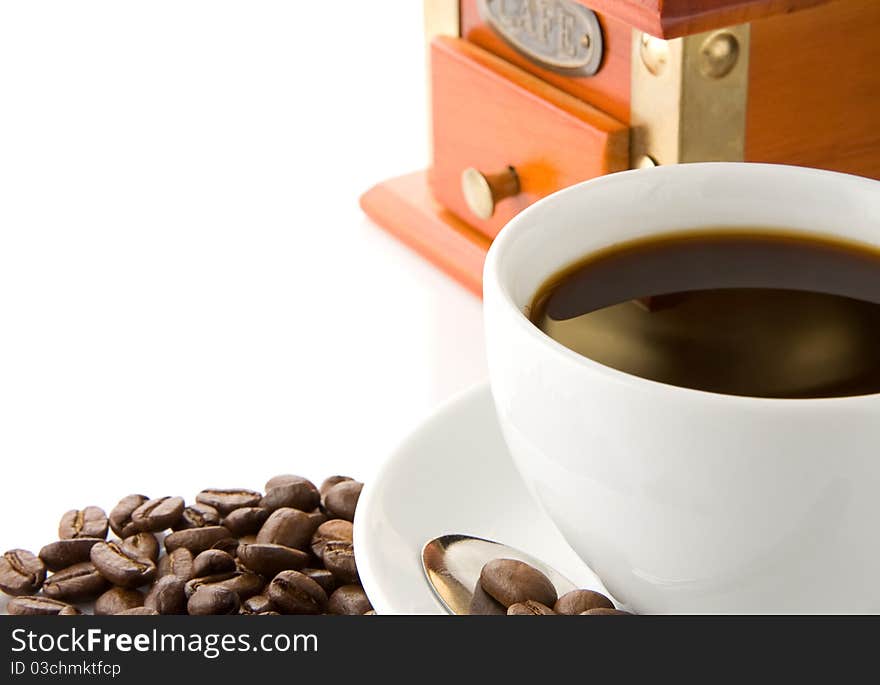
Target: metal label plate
561, 35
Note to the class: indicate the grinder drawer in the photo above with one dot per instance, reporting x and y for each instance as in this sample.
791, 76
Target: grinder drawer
504, 139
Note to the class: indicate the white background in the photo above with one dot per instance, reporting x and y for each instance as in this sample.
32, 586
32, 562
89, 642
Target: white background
190, 295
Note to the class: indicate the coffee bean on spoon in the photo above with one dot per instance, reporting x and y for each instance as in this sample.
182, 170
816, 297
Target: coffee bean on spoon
63, 553
77, 583
578, 601
288, 527
158, 514
197, 515
269, 559
348, 600
530, 608
121, 567
246, 520
213, 561
334, 530
142, 545
195, 539
117, 600
210, 600
120, 515
21, 572
178, 563
226, 501
292, 592
511, 581
341, 500
484, 604
90, 522
40, 606
167, 596
297, 494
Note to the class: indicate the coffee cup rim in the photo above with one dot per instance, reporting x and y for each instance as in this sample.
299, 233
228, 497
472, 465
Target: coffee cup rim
523, 225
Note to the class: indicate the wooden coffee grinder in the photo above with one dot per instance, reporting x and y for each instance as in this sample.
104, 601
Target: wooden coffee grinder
531, 96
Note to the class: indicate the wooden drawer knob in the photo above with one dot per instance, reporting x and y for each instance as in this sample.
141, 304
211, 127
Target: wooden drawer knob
483, 191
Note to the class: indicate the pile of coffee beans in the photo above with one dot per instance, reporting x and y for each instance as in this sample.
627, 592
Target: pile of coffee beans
512, 587
287, 550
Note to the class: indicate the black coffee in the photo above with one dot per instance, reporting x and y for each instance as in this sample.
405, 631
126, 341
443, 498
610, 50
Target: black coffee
729, 311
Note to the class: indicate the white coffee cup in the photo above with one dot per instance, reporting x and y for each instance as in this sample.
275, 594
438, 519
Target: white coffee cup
685, 501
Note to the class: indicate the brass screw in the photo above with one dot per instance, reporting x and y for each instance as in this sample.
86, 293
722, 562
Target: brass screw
719, 55
654, 53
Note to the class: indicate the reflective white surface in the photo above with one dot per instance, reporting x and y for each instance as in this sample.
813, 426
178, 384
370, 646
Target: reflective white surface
452, 474
190, 295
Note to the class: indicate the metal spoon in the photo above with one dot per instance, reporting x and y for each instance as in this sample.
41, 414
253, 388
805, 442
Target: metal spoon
452, 565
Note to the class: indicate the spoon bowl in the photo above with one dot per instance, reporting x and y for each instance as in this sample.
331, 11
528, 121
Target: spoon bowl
452, 565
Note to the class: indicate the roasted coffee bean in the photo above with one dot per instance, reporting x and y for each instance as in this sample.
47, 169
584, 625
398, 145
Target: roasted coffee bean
246, 521
158, 514
529, 608
288, 527
195, 539
341, 500
213, 600
142, 546
244, 583
322, 577
484, 604
334, 530
178, 563
318, 518
121, 567
269, 560
578, 601
167, 596
120, 516
213, 561
258, 604
228, 545
282, 479
90, 522
330, 482
77, 583
226, 501
40, 606
63, 553
300, 494
117, 600
349, 600
339, 560
604, 611
511, 581
291, 592
197, 516
194, 584
21, 572
139, 611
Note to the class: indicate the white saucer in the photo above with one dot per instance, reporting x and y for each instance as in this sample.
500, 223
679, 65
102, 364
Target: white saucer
453, 474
